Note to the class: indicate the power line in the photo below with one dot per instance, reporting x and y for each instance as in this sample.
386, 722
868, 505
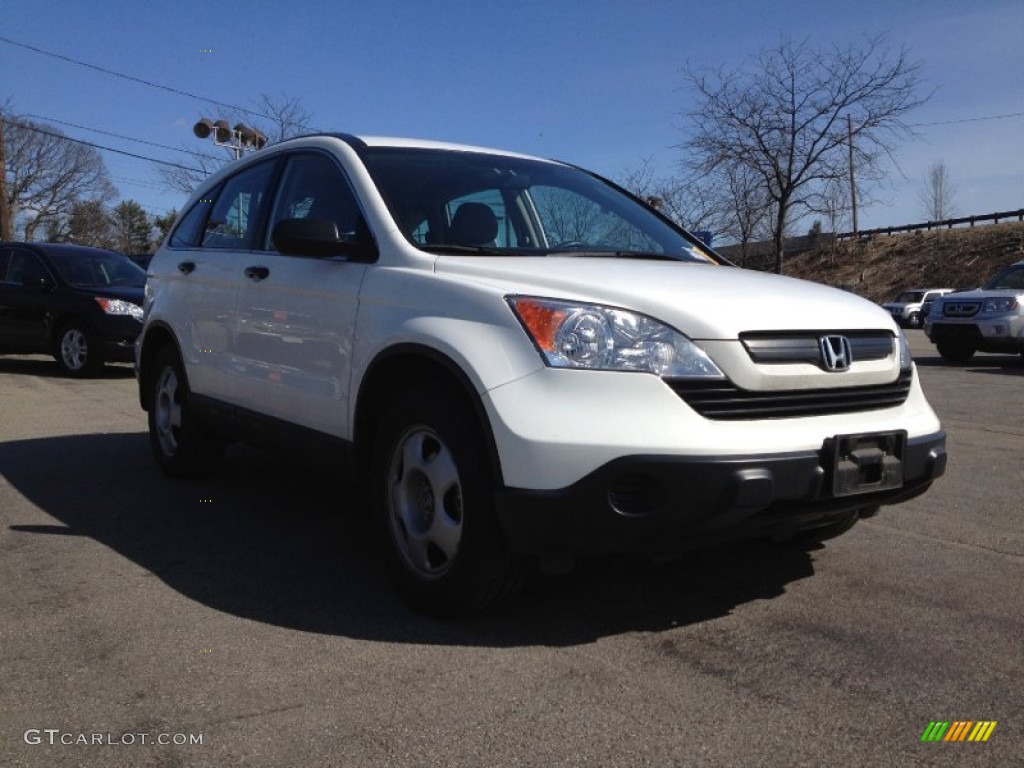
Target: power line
967, 120
139, 183
139, 80
28, 127
121, 136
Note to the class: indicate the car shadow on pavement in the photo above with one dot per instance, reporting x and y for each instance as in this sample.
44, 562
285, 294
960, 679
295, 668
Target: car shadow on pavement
24, 365
286, 545
980, 363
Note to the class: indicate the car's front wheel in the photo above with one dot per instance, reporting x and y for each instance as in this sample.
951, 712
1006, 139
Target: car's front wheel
915, 320
180, 445
433, 488
75, 350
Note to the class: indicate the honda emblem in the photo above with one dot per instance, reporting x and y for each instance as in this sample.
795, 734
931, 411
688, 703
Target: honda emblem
836, 354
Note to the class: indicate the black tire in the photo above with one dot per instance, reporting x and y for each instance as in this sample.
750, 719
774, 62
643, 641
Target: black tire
180, 445
914, 320
433, 492
955, 351
75, 350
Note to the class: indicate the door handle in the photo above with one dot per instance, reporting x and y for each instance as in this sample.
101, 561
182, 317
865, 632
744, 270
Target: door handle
256, 273
186, 267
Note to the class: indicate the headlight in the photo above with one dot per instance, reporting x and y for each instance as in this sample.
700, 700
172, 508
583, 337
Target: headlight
905, 359
576, 335
119, 307
1005, 304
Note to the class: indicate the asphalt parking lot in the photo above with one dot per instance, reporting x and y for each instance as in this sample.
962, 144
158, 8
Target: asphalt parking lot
245, 622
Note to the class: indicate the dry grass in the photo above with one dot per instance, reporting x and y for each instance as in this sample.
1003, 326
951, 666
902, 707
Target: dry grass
881, 267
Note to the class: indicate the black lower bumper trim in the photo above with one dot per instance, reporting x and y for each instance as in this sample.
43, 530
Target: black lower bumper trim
117, 350
664, 504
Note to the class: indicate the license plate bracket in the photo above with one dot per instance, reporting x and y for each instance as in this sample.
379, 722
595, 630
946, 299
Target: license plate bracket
867, 462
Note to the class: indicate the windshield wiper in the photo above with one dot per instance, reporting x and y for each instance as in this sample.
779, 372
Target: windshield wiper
615, 254
478, 250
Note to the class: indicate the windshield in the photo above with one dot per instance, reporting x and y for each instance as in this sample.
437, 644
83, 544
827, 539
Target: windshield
492, 205
96, 268
910, 297
1011, 278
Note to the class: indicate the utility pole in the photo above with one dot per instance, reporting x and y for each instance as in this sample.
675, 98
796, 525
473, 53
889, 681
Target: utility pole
5, 214
853, 185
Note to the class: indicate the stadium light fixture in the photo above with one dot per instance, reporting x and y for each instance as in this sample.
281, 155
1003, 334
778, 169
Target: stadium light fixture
239, 139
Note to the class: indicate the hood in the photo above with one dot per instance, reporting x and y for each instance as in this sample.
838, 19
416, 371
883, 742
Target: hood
702, 301
978, 294
128, 293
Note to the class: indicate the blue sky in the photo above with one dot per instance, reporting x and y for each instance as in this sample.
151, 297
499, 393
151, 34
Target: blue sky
596, 83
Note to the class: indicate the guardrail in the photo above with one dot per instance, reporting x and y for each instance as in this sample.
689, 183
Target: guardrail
929, 225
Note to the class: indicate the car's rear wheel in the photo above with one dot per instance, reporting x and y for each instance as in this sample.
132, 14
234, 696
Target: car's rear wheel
75, 350
955, 351
180, 445
433, 488
915, 319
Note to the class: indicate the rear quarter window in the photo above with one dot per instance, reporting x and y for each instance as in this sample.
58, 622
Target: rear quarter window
189, 232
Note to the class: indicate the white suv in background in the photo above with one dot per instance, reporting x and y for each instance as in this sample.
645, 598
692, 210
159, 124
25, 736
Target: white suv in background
908, 309
520, 360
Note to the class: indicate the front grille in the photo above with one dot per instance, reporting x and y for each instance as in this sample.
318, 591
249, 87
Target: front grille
723, 400
803, 347
961, 308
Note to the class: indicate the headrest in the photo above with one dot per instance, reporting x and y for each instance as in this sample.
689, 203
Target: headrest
473, 224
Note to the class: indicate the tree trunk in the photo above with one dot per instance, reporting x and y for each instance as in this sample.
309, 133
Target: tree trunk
779, 238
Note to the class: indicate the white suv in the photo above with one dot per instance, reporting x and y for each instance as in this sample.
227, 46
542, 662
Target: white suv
988, 319
520, 360
908, 309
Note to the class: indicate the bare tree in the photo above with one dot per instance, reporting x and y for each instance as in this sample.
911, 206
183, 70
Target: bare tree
784, 118
746, 209
47, 174
185, 178
280, 117
938, 192
691, 203
277, 117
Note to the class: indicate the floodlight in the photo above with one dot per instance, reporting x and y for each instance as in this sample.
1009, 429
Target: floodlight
245, 133
203, 128
223, 130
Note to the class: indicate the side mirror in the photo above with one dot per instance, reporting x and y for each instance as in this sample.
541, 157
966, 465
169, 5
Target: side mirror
318, 238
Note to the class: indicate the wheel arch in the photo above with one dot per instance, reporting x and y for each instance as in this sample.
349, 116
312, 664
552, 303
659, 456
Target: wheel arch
404, 367
59, 322
156, 338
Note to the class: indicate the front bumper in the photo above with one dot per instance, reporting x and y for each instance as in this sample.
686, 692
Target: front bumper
115, 337
664, 504
998, 334
117, 350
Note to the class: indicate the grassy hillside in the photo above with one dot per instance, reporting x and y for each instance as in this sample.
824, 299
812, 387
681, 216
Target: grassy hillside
881, 267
